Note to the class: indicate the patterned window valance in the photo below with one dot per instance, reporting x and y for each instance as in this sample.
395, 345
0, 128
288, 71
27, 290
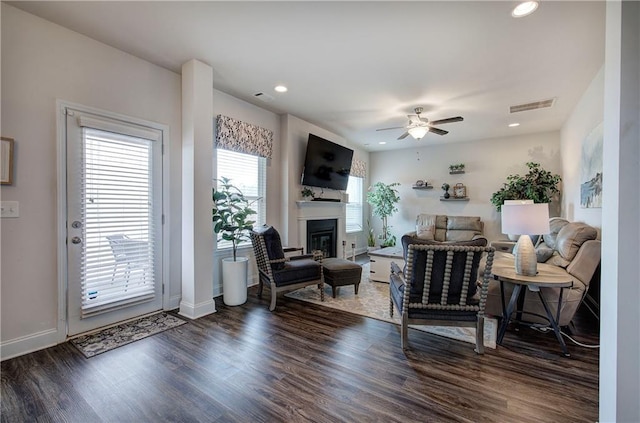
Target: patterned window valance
358, 168
243, 137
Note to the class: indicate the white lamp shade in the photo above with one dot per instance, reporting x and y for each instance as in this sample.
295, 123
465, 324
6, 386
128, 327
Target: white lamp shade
418, 132
529, 219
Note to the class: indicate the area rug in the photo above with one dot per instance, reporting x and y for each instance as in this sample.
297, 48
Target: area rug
373, 301
125, 333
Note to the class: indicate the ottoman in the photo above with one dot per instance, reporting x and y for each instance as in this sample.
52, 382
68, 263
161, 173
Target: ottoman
340, 272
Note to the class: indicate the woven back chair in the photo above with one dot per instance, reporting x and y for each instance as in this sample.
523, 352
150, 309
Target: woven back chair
282, 273
438, 287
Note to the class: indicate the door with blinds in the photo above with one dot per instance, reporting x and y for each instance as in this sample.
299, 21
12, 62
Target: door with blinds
114, 220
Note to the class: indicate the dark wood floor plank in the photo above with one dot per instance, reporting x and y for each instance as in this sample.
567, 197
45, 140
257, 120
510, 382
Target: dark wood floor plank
306, 363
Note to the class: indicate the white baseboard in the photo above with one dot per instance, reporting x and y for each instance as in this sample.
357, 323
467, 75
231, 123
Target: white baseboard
195, 311
28, 344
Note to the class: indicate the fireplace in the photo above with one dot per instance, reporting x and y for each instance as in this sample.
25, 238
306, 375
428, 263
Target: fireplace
322, 235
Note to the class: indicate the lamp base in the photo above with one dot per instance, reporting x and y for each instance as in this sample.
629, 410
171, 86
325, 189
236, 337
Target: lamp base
526, 262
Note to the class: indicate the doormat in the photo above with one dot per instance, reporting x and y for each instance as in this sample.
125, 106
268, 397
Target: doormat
373, 301
125, 333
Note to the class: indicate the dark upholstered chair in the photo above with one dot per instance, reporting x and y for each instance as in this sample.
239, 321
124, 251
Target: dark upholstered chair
438, 286
279, 272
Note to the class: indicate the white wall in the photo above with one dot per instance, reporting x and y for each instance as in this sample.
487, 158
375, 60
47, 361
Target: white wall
588, 113
42, 62
295, 134
488, 163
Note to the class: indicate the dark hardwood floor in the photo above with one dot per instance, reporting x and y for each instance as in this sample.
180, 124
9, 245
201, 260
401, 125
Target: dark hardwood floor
306, 363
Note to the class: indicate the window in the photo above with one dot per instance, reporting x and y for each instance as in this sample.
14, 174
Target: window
354, 206
249, 174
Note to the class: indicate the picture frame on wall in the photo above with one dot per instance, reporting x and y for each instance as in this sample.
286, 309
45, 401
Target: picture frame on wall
6, 161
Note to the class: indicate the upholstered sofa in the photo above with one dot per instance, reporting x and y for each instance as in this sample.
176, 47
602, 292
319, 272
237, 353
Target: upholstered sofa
573, 247
442, 228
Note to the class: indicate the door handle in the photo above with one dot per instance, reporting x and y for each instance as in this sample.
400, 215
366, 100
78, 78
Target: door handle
76, 240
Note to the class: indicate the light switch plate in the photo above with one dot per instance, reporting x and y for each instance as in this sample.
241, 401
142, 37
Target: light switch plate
9, 209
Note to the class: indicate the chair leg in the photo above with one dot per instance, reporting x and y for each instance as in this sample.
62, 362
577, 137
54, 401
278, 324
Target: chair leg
321, 290
274, 294
390, 306
260, 287
333, 291
480, 335
356, 286
404, 331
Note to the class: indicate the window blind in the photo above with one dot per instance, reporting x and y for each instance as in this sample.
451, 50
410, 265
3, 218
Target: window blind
248, 173
117, 252
354, 206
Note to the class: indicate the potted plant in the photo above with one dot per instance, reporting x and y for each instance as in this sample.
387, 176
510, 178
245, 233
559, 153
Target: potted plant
384, 197
371, 238
231, 218
445, 188
538, 185
307, 194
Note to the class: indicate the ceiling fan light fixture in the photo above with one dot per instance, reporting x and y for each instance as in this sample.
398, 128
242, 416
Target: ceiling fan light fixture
524, 8
418, 132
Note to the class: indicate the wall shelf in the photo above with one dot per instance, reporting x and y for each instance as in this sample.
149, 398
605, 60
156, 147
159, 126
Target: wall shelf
423, 187
456, 172
454, 199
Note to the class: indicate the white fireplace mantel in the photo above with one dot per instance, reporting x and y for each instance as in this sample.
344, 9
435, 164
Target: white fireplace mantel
319, 210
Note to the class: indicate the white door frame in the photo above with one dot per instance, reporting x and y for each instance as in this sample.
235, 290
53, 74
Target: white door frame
61, 105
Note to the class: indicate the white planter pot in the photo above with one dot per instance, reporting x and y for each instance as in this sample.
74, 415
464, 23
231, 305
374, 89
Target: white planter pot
234, 280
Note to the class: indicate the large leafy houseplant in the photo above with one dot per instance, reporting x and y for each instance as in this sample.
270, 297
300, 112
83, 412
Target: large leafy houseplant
384, 197
538, 185
231, 214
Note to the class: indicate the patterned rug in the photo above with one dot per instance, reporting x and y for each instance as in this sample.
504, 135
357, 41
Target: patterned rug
373, 301
125, 333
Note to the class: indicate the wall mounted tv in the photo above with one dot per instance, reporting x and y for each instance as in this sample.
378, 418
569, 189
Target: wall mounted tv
326, 164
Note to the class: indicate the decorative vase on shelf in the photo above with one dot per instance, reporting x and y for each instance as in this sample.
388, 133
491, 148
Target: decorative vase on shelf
446, 194
446, 187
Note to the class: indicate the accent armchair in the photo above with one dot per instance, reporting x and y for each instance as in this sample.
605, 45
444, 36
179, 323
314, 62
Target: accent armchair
279, 272
438, 286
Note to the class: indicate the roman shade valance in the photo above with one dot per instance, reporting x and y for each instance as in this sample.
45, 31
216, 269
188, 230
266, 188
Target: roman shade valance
358, 168
243, 137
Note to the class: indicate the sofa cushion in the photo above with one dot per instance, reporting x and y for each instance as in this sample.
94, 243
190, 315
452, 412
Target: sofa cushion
297, 271
463, 228
568, 241
426, 232
555, 224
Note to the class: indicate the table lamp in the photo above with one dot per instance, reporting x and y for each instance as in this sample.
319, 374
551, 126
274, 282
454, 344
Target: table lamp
525, 219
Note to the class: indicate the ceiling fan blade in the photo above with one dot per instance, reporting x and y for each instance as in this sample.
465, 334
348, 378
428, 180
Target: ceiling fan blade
394, 127
438, 131
448, 120
403, 136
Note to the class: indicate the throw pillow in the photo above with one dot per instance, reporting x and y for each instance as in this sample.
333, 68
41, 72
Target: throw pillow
543, 253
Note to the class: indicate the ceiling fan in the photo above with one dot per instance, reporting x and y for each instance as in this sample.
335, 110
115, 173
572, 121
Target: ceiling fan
419, 126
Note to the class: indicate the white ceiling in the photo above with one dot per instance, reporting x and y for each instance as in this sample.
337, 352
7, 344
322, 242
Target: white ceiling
353, 67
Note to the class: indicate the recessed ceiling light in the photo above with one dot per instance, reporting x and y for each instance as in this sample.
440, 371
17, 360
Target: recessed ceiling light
281, 88
513, 125
382, 142
525, 8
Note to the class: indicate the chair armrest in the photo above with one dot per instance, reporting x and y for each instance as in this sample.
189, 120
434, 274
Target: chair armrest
503, 246
292, 249
395, 269
303, 256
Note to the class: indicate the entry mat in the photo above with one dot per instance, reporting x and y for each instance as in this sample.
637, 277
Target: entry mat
125, 333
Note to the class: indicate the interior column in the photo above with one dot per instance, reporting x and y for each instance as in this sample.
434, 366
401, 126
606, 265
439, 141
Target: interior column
197, 174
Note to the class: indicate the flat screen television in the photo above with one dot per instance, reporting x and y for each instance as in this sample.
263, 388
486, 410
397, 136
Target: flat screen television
326, 164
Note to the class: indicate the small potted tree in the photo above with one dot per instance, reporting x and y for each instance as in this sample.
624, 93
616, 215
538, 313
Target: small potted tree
384, 197
538, 185
231, 218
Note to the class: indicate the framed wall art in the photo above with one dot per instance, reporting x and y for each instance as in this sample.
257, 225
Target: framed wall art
591, 169
6, 162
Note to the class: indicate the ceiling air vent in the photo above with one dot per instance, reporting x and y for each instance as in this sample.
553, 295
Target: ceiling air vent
264, 97
542, 104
